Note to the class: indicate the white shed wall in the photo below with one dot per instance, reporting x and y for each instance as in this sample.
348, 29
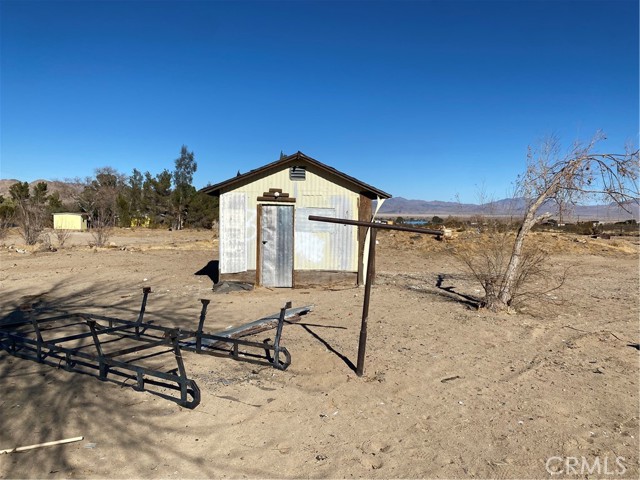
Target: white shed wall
233, 244
318, 246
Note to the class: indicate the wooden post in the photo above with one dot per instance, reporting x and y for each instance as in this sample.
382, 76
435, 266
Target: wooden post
371, 263
362, 345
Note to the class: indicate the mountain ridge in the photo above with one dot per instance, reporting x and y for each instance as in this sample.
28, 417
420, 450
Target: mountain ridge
504, 207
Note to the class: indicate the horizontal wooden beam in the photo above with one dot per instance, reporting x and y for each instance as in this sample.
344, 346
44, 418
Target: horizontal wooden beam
272, 194
277, 199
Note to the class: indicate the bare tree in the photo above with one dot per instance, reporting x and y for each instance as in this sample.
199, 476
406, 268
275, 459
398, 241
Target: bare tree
578, 175
99, 200
7, 214
30, 209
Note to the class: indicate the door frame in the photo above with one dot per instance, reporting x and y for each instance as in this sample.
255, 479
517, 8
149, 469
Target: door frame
259, 242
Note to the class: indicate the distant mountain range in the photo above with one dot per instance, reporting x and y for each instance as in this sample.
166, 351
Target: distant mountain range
65, 189
399, 206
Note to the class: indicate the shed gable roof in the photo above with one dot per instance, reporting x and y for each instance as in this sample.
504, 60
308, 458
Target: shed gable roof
294, 160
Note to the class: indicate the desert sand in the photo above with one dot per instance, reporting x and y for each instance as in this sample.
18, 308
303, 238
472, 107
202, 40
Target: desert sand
448, 392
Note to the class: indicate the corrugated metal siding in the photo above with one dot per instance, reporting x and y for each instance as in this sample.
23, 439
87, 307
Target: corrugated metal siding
318, 247
276, 224
326, 246
233, 244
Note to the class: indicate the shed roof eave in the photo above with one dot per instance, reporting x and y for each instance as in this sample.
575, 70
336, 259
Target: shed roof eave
365, 189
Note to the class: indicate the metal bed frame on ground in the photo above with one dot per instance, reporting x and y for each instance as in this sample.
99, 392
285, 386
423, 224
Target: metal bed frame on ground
33, 338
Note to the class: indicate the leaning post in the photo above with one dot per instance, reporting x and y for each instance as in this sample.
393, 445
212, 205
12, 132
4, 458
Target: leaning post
373, 228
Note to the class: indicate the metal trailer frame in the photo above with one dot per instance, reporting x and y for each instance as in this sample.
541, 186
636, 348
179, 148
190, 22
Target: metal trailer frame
26, 339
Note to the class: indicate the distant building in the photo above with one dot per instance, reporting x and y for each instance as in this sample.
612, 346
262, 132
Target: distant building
265, 232
144, 221
70, 221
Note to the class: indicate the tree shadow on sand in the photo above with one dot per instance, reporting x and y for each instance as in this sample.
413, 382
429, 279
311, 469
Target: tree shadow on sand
126, 433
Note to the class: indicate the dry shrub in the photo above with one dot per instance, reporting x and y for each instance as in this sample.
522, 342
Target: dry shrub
100, 235
62, 236
486, 256
5, 225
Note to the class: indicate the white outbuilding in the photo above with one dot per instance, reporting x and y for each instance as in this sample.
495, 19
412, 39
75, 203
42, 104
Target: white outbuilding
70, 221
266, 236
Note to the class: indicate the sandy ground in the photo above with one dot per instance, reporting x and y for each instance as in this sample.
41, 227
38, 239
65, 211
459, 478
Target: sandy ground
448, 392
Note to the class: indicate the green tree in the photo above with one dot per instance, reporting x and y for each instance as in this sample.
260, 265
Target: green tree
203, 210
185, 167
54, 203
156, 194
136, 204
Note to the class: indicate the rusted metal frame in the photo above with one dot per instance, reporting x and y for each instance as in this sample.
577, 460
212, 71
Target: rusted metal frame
51, 328
31, 346
292, 315
29, 321
105, 361
103, 366
199, 335
182, 372
172, 337
126, 325
276, 342
106, 365
234, 350
145, 293
88, 334
39, 340
203, 316
137, 348
184, 335
380, 226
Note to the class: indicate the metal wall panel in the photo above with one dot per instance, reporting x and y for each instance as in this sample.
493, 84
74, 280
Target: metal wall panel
319, 248
314, 250
233, 245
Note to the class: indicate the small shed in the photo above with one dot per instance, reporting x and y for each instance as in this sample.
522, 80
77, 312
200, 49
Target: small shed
265, 233
70, 221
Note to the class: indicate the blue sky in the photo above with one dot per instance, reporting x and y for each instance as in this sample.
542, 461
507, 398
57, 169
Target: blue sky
422, 99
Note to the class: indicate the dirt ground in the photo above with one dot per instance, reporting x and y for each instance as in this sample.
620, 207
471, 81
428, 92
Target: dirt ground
448, 392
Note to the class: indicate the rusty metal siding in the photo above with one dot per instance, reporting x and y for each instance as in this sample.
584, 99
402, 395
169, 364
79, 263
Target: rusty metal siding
233, 245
